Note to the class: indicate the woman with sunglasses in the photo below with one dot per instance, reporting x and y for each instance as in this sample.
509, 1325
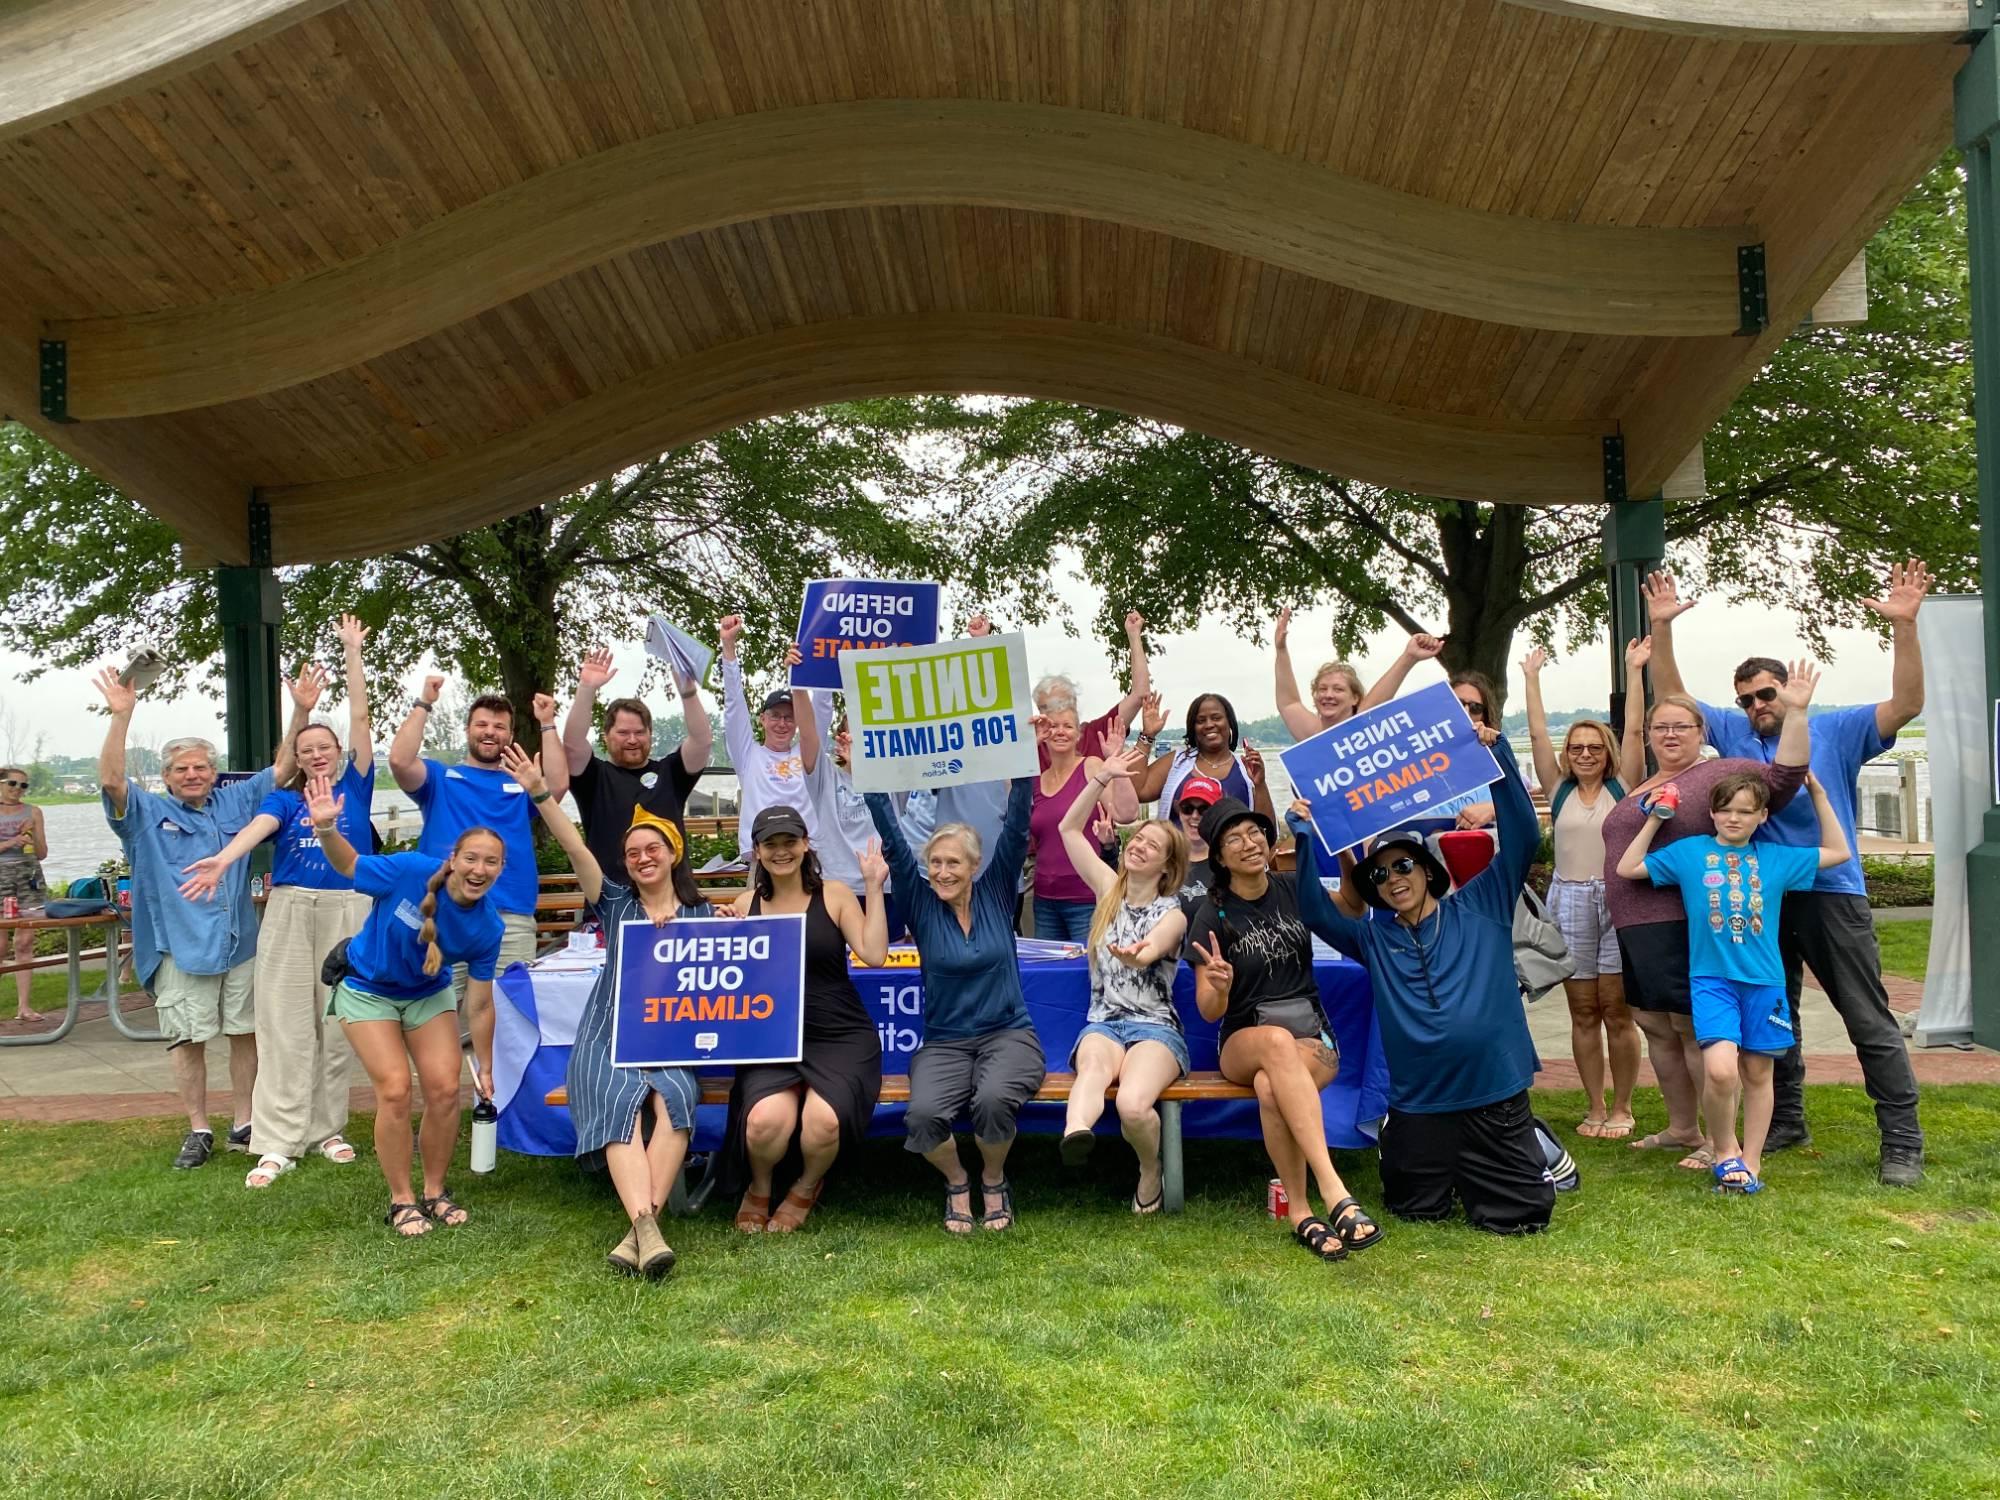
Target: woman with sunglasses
1197, 795
1582, 788
24, 844
1652, 923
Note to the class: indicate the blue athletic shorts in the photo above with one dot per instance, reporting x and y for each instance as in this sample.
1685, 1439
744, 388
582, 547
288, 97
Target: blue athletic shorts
1753, 1016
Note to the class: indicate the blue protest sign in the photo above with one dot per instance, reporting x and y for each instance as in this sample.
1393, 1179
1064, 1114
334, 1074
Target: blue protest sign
846, 614
705, 990
1388, 765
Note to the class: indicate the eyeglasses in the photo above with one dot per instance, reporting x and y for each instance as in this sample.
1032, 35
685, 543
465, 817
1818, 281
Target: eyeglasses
1763, 695
1473, 707
1379, 874
1671, 729
1239, 838
10, 781
1576, 750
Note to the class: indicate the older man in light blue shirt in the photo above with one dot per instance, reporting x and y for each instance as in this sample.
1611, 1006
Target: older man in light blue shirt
196, 956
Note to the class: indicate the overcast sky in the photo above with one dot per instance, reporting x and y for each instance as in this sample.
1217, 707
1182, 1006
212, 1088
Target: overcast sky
1712, 639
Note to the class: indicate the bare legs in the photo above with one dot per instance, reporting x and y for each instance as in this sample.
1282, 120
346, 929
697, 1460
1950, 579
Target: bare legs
1288, 1072
1586, 1045
190, 1060
1724, 1069
1621, 1042
1601, 1030
1669, 1040
643, 1172
379, 1045
767, 1134
24, 979
435, 1049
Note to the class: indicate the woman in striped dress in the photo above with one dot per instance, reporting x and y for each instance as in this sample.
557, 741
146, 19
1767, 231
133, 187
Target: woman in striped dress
608, 1105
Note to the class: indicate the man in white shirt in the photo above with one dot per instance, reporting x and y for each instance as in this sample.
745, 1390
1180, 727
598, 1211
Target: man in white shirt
779, 769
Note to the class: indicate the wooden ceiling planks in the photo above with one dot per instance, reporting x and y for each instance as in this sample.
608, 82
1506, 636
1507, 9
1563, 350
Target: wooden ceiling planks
235, 170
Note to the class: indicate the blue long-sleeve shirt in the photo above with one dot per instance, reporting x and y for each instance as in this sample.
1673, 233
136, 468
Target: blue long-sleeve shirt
972, 983
1453, 1029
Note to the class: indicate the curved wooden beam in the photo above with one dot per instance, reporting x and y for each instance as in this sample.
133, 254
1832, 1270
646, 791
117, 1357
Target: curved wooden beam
60, 58
1871, 22
1093, 363
1500, 268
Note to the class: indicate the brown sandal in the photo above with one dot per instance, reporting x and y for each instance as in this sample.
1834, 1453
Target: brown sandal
792, 1212
753, 1214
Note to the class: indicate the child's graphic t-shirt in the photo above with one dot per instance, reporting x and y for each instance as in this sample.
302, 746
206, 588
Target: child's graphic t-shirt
1732, 893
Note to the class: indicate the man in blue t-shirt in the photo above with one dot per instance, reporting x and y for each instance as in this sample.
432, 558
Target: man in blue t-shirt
477, 792
1829, 927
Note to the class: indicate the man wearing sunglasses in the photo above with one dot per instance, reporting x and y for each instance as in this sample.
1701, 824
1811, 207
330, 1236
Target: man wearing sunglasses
1828, 928
1453, 1030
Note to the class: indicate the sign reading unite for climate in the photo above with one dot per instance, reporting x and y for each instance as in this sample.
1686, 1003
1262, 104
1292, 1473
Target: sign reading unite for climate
942, 715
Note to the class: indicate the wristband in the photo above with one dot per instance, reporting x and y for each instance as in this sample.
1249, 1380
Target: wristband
540, 797
688, 694
326, 827
1147, 739
546, 728
419, 703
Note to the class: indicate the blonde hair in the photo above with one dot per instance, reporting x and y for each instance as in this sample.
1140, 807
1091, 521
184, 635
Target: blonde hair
1603, 732
428, 933
1339, 669
1679, 700
1173, 875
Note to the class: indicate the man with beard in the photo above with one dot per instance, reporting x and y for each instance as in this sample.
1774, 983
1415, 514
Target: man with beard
477, 793
609, 787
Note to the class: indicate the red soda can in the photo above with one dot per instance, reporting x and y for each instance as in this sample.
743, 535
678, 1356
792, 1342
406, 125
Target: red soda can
10, 907
1276, 1200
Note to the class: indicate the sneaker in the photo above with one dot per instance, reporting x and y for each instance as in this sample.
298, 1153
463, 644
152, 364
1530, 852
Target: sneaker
1902, 1166
195, 1150
239, 1139
1785, 1134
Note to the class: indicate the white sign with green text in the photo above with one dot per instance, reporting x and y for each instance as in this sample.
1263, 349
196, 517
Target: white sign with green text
923, 717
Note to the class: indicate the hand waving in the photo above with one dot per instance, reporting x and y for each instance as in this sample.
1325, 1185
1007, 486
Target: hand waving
1638, 653
307, 686
1152, 717
1908, 583
1797, 690
1533, 662
1663, 599
596, 669
525, 769
321, 804
352, 633
119, 698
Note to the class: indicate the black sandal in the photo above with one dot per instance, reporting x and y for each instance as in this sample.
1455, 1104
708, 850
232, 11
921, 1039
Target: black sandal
1003, 1209
440, 1208
1349, 1222
1318, 1236
400, 1215
954, 1216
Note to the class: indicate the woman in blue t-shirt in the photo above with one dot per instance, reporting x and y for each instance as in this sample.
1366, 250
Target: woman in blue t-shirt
395, 1000
299, 1106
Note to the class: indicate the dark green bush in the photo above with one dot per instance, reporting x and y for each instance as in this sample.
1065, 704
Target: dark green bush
1897, 882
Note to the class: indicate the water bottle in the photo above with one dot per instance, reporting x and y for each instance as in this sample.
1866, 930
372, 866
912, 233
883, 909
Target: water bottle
485, 1134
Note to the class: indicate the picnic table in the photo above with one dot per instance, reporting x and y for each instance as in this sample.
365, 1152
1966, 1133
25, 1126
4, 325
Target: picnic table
73, 929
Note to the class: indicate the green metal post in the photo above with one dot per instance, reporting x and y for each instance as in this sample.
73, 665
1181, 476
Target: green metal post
1977, 109
251, 607
1635, 543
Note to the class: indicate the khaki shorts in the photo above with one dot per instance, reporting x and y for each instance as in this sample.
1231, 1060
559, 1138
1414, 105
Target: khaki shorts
200, 1007
351, 1004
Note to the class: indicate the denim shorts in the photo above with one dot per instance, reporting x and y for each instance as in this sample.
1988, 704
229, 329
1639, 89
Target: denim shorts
1130, 1033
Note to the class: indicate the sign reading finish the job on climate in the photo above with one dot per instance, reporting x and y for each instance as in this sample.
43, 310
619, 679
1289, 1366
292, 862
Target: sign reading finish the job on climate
924, 717
1388, 765
859, 614
703, 990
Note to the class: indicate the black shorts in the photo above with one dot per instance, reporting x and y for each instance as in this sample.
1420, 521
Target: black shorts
1488, 1158
1656, 966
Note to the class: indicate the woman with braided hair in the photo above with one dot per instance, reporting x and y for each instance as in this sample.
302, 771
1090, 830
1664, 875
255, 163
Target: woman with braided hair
395, 1001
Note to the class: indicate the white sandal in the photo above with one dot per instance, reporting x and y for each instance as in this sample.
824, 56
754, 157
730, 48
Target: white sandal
268, 1170
336, 1149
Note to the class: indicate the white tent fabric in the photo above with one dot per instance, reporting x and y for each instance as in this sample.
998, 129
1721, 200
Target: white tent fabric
1956, 724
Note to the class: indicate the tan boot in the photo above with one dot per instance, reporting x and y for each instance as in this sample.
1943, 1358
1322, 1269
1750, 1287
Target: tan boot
654, 1255
626, 1257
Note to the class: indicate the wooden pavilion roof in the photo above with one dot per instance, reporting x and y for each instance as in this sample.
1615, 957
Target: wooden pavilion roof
400, 268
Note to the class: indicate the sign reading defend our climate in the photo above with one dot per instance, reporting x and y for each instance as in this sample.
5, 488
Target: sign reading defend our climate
924, 717
859, 614
703, 990
1388, 765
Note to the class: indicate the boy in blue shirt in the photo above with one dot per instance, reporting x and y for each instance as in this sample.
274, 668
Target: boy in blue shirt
1733, 890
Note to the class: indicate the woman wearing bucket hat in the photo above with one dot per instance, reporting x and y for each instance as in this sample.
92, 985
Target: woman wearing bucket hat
1460, 1057
1252, 958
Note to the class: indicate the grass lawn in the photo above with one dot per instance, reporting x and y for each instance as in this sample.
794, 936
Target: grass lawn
1906, 947
50, 989
169, 1334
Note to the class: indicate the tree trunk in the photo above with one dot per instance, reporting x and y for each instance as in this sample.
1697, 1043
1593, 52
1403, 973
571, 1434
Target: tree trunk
1484, 553
526, 637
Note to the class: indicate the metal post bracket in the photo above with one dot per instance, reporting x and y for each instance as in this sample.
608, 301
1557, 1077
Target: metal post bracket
1614, 470
55, 380
1753, 302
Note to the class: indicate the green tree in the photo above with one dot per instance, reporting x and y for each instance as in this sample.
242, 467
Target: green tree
738, 522
1852, 448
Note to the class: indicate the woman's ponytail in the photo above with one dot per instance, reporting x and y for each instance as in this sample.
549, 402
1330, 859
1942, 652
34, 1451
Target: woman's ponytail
428, 933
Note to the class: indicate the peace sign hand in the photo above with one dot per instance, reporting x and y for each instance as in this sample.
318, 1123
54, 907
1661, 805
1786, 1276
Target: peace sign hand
1212, 967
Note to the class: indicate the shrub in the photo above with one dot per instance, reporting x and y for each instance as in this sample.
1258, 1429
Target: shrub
1898, 882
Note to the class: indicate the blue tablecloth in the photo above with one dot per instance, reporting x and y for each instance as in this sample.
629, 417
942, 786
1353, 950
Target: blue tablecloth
538, 1008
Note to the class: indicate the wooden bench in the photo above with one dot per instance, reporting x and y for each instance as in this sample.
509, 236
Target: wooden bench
1196, 1087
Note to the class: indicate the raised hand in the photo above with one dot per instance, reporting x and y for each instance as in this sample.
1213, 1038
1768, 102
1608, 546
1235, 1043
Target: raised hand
525, 769
1533, 662
433, 686
1135, 625
1253, 763
1213, 969
321, 804
793, 656
874, 868
1301, 808
730, 628
545, 709
307, 686
1638, 653
1908, 583
1479, 815
351, 632
1281, 629
119, 698
1663, 598
979, 625
1126, 763
1797, 689
1103, 827
1422, 647
595, 670
1152, 717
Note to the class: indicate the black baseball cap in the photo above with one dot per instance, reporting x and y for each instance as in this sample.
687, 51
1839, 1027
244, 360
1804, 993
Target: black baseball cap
1435, 875
782, 698
780, 817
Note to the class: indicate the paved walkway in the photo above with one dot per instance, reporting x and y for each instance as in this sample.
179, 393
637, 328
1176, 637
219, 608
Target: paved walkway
96, 1074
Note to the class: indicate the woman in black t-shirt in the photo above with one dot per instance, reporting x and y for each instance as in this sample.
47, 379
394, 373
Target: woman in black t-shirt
1254, 973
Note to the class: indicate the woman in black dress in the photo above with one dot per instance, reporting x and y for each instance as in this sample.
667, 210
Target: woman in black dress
797, 1116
